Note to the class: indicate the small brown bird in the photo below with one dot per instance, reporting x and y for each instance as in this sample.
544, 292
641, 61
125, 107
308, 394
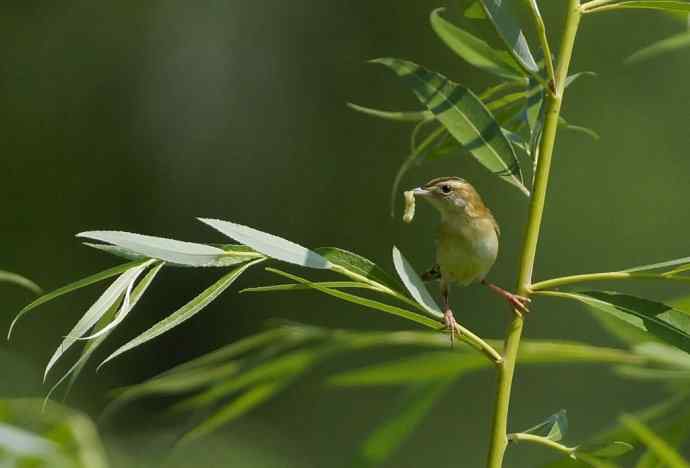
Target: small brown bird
467, 244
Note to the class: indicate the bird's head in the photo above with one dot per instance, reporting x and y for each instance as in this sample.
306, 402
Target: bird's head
453, 197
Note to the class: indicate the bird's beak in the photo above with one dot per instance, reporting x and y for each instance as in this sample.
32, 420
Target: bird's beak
421, 192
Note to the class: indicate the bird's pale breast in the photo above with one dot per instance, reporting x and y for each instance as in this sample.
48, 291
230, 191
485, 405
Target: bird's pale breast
467, 251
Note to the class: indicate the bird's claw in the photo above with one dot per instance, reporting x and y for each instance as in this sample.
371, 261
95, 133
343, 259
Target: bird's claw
519, 303
451, 325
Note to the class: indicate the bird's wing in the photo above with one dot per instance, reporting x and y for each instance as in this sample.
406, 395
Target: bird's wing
433, 274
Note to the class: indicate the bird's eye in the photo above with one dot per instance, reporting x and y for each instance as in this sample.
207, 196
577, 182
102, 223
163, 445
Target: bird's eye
445, 188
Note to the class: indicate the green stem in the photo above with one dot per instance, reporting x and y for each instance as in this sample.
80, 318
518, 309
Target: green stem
535, 439
608, 276
544, 41
499, 438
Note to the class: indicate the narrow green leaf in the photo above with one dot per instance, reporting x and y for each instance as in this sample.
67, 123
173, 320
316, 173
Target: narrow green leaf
423, 367
577, 128
96, 311
236, 408
675, 431
169, 250
282, 367
678, 262
670, 44
185, 312
104, 327
473, 50
397, 116
412, 316
666, 454
358, 265
89, 280
465, 117
22, 443
553, 428
303, 287
269, 245
475, 11
414, 283
232, 255
408, 415
19, 280
613, 449
662, 5
507, 25
660, 320
663, 354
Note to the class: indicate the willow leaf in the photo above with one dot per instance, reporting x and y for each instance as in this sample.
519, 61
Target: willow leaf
397, 116
464, 116
269, 245
414, 283
662, 5
670, 44
473, 50
660, 320
96, 311
666, 454
89, 280
505, 20
411, 410
358, 265
185, 312
168, 250
19, 280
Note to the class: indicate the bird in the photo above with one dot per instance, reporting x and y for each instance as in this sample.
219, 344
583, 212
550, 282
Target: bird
467, 244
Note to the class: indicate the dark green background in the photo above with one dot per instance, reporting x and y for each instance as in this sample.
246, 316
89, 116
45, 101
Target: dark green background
141, 116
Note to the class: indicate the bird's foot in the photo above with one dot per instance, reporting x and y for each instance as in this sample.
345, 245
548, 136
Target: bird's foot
451, 325
518, 303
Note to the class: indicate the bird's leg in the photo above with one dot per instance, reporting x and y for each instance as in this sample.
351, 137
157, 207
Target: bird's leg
519, 303
448, 317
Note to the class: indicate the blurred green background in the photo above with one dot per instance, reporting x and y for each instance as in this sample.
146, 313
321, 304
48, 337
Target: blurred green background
141, 116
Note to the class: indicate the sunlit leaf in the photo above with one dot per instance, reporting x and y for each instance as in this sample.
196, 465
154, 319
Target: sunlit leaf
358, 265
660, 320
414, 283
473, 50
665, 46
412, 408
105, 326
185, 312
370, 303
465, 117
662, 5
22, 443
398, 116
19, 280
666, 453
505, 20
96, 311
109, 273
169, 250
269, 245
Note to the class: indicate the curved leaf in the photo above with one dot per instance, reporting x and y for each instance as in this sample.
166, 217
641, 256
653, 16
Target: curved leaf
168, 250
399, 116
100, 276
19, 280
474, 50
358, 265
185, 312
269, 245
96, 311
660, 320
678, 262
662, 5
414, 283
508, 27
670, 44
465, 117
